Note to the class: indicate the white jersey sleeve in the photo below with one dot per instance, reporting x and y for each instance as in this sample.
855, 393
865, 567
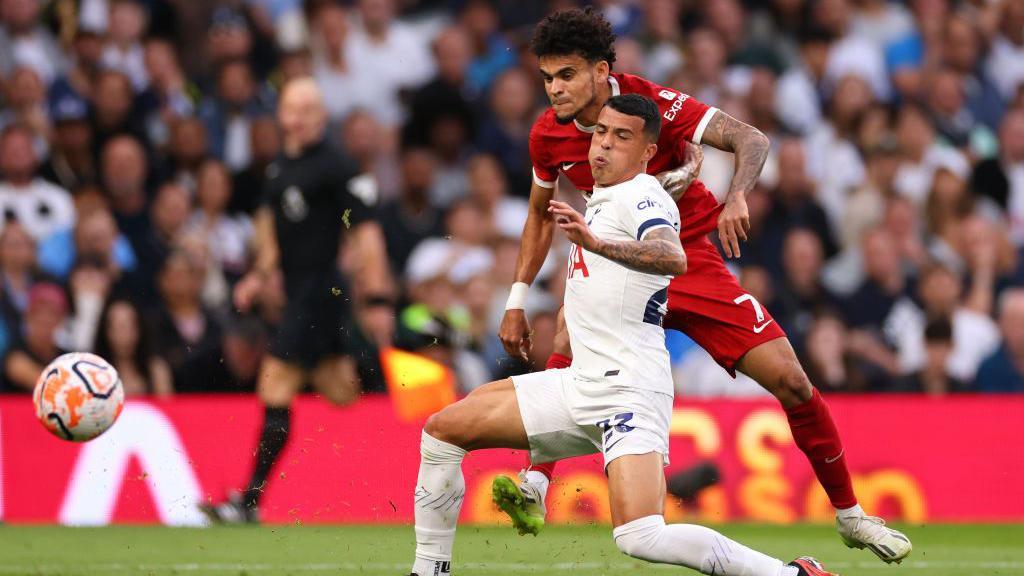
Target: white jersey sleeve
647, 207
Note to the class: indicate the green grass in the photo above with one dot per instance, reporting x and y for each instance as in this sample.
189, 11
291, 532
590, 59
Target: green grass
939, 550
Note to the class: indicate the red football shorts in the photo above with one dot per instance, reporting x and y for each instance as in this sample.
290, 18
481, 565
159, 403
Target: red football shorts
708, 305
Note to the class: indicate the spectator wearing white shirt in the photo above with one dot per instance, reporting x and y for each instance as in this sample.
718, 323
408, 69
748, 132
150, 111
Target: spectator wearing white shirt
923, 156
123, 51
25, 42
331, 67
1002, 178
227, 236
387, 57
1005, 63
41, 207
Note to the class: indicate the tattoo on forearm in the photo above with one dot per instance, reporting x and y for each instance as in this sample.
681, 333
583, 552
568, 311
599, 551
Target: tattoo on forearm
658, 253
749, 145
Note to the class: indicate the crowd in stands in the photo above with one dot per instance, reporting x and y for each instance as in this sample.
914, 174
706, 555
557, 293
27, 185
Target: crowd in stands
136, 135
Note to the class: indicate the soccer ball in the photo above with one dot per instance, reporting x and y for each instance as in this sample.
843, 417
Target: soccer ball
78, 396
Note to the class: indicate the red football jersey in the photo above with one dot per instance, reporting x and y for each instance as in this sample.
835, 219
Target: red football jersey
558, 147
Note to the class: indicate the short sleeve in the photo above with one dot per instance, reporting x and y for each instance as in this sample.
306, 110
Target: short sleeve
685, 118
355, 194
647, 210
544, 174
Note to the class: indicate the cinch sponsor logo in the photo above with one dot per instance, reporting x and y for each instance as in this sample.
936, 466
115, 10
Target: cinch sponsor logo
648, 203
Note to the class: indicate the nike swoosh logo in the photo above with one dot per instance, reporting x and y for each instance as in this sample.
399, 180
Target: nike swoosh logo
759, 329
566, 166
831, 460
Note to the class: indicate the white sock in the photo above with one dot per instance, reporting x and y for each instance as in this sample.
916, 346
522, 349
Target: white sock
695, 547
854, 511
440, 489
539, 480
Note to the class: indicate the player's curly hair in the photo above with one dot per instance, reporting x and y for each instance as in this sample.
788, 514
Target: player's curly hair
583, 32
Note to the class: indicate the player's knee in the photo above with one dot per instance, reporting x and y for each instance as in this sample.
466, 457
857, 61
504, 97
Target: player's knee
795, 384
639, 538
444, 426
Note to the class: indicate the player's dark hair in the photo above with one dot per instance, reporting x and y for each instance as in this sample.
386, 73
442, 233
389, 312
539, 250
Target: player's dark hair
642, 107
585, 33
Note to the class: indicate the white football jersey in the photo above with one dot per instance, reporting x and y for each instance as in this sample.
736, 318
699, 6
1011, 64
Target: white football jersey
614, 314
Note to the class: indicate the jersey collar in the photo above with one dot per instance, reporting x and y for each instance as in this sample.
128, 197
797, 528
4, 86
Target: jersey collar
615, 92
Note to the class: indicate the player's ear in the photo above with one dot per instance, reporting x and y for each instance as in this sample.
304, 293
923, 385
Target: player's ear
601, 71
651, 150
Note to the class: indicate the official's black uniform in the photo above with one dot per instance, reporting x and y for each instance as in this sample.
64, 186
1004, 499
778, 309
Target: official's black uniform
312, 201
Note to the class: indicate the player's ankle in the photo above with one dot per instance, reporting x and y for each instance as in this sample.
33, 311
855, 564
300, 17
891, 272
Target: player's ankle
854, 511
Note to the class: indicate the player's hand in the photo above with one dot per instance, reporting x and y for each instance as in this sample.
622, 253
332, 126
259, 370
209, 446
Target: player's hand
572, 223
515, 334
733, 224
247, 290
676, 181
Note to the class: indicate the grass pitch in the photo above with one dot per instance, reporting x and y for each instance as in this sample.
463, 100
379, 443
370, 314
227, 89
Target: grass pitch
939, 550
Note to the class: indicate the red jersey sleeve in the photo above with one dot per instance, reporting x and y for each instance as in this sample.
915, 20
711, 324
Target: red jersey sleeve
545, 172
683, 118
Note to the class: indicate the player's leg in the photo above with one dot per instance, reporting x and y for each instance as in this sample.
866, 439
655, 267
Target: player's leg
636, 488
774, 366
336, 379
488, 418
278, 383
524, 503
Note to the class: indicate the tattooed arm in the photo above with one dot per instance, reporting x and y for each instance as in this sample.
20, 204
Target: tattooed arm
658, 253
750, 146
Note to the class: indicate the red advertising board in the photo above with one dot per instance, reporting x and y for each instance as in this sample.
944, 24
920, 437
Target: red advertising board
915, 458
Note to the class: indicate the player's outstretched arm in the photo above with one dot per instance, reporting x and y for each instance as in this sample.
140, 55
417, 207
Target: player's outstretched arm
659, 252
750, 147
533, 249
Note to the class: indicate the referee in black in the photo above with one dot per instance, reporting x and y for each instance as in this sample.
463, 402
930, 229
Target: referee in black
309, 207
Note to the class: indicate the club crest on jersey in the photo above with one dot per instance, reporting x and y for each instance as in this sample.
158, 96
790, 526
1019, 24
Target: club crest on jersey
294, 204
576, 262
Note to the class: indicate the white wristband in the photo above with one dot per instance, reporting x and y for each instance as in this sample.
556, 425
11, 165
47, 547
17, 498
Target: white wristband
517, 296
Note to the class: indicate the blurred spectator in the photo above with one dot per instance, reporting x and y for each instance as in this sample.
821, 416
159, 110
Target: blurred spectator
953, 120
24, 41
492, 54
801, 294
851, 53
41, 207
411, 218
25, 99
114, 111
123, 51
793, 205
19, 273
184, 333
80, 77
1002, 178
1005, 63
95, 238
242, 346
922, 155
229, 112
167, 218
387, 57
169, 94
72, 160
227, 236
124, 172
961, 51
880, 313
444, 101
1003, 371
504, 215
331, 66
505, 131
248, 185
799, 96
188, 149
34, 348
934, 377
124, 342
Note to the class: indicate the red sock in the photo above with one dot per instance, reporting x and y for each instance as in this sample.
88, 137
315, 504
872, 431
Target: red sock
557, 360
547, 469
815, 433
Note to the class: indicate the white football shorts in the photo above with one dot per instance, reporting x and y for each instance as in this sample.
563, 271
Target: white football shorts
565, 416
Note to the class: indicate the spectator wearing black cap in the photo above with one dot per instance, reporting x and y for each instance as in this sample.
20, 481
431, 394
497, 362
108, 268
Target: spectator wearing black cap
71, 163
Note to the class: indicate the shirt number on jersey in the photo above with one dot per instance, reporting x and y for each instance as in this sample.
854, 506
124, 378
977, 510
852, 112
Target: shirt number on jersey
758, 312
576, 262
617, 423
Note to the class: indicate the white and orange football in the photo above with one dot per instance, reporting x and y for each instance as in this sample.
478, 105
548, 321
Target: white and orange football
78, 396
